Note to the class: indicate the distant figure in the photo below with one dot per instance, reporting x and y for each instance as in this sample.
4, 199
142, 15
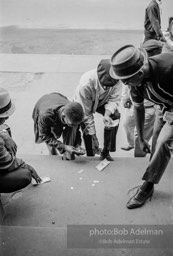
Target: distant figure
98, 92
152, 22
54, 115
153, 47
15, 174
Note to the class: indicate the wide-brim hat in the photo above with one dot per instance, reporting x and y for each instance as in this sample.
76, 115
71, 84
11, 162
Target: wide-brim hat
6, 106
127, 61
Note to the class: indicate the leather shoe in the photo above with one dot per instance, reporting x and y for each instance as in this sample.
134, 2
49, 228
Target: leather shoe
105, 155
127, 148
139, 198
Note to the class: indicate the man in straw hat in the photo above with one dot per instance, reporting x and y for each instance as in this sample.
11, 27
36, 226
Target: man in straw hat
15, 174
152, 79
98, 92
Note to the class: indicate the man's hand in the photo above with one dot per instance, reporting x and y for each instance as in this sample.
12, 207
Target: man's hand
127, 103
70, 149
107, 120
162, 39
95, 143
80, 150
145, 146
9, 143
34, 174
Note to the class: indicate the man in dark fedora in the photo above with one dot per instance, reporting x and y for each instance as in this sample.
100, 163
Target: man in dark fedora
98, 92
55, 116
152, 47
152, 79
15, 174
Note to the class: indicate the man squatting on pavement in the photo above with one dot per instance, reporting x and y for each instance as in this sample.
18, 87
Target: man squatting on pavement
15, 174
99, 92
54, 115
150, 78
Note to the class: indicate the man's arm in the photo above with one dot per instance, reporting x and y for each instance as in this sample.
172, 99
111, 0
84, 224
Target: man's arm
8, 161
84, 96
45, 124
115, 97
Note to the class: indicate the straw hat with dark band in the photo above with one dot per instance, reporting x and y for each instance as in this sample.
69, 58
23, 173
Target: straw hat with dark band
6, 106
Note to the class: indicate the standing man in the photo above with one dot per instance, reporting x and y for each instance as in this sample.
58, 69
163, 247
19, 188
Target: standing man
99, 92
15, 174
152, 47
151, 79
54, 115
152, 22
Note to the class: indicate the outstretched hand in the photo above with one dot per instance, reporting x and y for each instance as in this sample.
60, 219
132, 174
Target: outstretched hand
145, 147
34, 174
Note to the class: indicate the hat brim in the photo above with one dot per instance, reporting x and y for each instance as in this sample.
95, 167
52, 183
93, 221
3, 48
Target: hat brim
8, 112
113, 75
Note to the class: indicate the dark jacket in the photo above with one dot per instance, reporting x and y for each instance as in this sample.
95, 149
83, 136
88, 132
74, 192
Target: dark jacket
48, 125
158, 87
152, 22
8, 162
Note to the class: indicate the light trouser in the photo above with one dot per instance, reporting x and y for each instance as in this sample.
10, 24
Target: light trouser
161, 156
131, 133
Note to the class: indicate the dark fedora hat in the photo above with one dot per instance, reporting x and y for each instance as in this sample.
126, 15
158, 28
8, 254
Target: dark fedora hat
103, 73
6, 106
127, 61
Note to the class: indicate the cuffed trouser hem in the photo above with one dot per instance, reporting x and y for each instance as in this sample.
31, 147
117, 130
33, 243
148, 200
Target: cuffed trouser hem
151, 178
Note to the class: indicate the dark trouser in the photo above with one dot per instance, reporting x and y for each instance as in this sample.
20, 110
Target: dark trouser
109, 135
158, 124
161, 155
14, 180
149, 35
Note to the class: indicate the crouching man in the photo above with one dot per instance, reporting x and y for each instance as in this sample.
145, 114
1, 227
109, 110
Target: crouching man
54, 115
15, 174
99, 92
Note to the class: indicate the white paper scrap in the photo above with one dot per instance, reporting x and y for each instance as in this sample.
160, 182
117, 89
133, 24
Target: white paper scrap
43, 180
102, 165
81, 170
95, 181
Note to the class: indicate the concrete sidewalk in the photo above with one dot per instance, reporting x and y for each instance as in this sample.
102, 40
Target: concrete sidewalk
36, 218
49, 63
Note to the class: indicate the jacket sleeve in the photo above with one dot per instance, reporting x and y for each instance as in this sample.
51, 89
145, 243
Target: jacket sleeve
154, 19
8, 162
84, 95
115, 97
46, 134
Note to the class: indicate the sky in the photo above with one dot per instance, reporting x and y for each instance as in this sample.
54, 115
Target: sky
87, 14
